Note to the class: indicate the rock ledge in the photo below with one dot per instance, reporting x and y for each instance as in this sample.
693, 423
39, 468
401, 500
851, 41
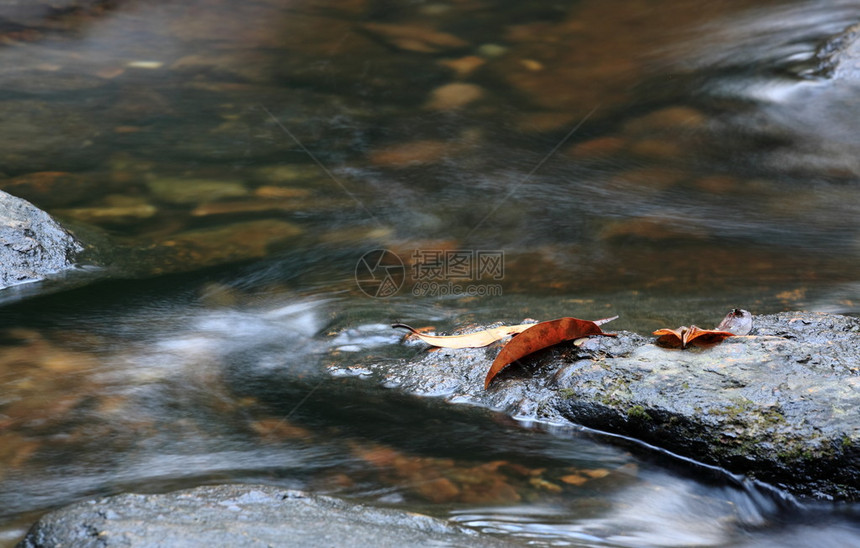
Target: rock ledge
779, 405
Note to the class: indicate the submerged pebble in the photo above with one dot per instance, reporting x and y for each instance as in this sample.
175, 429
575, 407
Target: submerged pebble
410, 154
118, 214
176, 190
674, 118
415, 38
463, 66
288, 174
51, 188
232, 242
454, 96
247, 206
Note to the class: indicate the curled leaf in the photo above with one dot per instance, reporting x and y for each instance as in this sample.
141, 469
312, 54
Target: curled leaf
469, 340
671, 337
737, 321
690, 335
605, 320
542, 335
479, 338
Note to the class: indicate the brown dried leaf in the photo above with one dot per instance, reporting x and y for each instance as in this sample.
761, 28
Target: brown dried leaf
540, 336
684, 336
671, 337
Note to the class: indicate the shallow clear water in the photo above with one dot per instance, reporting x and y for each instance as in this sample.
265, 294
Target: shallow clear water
664, 162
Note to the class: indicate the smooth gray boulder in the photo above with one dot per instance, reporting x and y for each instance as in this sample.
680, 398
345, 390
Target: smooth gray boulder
241, 516
780, 405
33, 246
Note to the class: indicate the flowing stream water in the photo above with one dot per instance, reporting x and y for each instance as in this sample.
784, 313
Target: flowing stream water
663, 161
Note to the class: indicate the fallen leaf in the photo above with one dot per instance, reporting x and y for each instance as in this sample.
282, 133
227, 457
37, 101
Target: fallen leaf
542, 335
478, 338
468, 340
738, 321
686, 335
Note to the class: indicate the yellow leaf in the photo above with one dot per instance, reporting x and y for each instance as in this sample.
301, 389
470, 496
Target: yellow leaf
469, 340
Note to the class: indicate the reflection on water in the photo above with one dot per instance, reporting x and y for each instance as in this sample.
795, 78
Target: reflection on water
665, 161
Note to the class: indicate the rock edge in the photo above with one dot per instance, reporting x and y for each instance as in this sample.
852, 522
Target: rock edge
241, 515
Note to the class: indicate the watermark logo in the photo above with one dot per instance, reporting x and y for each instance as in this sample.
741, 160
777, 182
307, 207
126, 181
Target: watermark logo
434, 272
380, 273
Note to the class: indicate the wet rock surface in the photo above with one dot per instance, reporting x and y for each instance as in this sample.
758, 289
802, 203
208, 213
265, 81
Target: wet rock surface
32, 245
240, 515
778, 405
